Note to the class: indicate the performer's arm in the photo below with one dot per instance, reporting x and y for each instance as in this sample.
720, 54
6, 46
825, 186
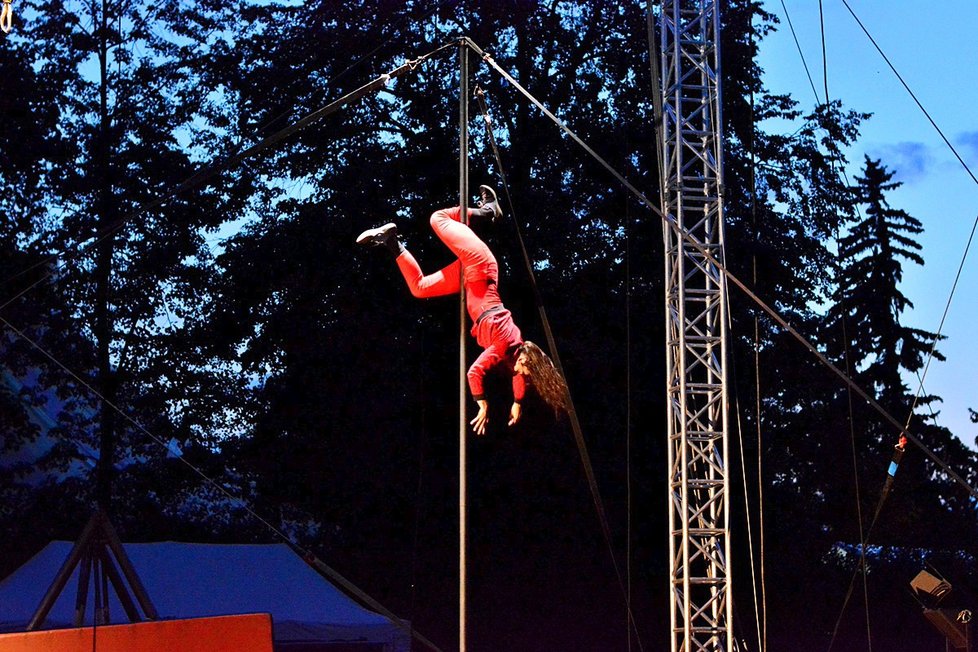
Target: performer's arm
476, 375
519, 391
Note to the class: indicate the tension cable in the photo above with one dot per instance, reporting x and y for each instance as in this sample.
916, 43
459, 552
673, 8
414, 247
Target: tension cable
552, 344
898, 450
731, 277
209, 171
197, 179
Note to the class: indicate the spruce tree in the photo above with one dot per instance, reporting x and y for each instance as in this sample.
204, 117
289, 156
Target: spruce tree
865, 335
872, 254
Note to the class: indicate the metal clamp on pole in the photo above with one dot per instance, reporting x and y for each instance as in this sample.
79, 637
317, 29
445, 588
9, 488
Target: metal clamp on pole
408, 65
891, 471
411, 64
898, 452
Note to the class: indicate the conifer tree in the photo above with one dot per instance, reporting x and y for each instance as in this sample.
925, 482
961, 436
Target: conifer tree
872, 254
295, 366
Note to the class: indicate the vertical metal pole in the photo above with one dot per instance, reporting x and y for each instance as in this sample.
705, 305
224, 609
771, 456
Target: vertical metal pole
463, 185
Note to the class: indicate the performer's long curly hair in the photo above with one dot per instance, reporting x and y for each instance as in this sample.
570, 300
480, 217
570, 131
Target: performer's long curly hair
544, 377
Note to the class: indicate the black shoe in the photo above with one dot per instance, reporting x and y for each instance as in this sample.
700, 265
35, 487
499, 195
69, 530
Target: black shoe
489, 204
382, 236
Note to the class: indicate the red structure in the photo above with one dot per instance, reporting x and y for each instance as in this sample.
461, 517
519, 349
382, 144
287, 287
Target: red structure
249, 633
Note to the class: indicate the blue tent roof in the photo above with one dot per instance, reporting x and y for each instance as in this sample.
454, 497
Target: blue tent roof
188, 580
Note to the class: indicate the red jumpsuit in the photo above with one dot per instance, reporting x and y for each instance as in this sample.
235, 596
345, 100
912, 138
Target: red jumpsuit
493, 326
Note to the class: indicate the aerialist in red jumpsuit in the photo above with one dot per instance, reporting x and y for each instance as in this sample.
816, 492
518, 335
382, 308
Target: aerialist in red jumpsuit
492, 325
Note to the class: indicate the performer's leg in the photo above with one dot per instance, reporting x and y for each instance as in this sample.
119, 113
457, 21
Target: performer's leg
462, 240
445, 281
438, 284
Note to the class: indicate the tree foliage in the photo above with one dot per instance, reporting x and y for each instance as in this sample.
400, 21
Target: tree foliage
232, 318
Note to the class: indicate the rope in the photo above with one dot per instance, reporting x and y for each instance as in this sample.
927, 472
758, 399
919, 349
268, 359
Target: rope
551, 343
6, 16
760, 476
908, 89
902, 430
852, 426
931, 353
825, 61
947, 309
394, 27
761, 628
804, 63
898, 452
743, 474
197, 179
967, 247
863, 536
899, 448
859, 507
708, 256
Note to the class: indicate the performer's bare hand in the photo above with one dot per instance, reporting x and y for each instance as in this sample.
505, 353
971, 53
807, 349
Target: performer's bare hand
515, 413
479, 422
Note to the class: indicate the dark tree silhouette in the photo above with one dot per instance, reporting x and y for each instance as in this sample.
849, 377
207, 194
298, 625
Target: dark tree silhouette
239, 321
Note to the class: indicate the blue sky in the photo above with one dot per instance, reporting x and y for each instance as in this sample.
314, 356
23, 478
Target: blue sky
933, 47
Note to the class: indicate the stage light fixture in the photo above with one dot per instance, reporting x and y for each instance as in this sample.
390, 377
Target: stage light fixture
953, 623
930, 588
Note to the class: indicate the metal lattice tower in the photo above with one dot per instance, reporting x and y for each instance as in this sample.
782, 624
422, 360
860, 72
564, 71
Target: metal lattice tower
696, 313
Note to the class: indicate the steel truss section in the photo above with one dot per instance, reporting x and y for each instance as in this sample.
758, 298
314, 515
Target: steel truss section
696, 314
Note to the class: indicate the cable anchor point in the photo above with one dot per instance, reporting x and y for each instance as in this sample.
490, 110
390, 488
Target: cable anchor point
407, 66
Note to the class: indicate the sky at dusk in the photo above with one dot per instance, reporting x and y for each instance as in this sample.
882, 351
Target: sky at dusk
933, 48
